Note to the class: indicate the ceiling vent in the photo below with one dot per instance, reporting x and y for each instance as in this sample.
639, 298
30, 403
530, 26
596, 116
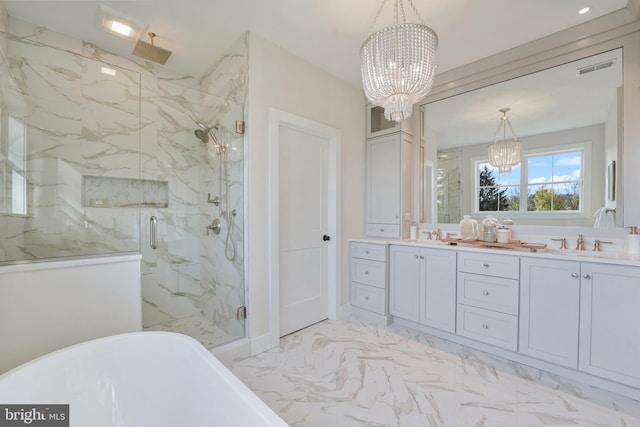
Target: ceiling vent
596, 67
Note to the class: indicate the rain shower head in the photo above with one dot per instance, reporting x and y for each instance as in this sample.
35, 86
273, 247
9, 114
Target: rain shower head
203, 133
150, 51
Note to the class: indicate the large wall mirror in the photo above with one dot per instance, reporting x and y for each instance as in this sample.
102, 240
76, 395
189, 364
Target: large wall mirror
574, 102
569, 119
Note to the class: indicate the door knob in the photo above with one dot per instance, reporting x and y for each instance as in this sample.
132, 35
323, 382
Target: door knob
326, 238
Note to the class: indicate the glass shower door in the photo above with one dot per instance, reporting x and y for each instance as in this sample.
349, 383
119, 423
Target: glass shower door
193, 281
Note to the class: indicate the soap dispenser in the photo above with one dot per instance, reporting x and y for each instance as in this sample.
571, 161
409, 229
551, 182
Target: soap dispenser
633, 241
469, 228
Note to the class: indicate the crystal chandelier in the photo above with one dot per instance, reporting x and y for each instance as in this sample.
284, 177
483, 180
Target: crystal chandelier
398, 63
504, 154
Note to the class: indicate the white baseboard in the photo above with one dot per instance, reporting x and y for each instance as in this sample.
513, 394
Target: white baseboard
263, 343
368, 316
344, 311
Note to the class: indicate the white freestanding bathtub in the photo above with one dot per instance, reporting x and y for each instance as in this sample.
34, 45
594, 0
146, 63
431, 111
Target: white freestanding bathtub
144, 379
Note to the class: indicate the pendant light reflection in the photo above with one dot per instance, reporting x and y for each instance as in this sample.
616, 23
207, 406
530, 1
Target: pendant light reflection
504, 154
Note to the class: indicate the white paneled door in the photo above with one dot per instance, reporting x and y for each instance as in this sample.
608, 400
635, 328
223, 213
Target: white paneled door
305, 238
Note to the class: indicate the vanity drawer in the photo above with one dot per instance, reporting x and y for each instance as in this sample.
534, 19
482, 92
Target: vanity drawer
492, 293
383, 230
507, 266
368, 298
372, 251
372, 273
488, 326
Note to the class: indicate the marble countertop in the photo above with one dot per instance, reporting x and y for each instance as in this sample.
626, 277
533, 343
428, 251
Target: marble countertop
611, 256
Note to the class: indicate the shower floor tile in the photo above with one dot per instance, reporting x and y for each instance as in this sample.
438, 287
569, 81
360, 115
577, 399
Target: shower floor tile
347, 373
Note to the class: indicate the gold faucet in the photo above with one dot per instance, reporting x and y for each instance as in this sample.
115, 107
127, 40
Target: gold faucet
580, 243
562, 240
596, 246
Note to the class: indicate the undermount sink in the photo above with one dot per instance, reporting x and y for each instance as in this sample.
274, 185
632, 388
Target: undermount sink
583, 254
591, 254
431, 242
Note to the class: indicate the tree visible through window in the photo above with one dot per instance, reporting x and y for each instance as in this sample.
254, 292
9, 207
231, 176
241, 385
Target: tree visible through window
492, 197
550, 181
554, 182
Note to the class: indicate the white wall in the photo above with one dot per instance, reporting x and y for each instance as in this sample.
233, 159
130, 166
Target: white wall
51, 305
281, 80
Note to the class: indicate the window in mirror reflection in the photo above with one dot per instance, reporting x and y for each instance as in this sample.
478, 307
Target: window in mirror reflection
551, 181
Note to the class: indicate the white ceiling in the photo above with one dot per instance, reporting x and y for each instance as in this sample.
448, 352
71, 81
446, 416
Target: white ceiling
325, 32
547, 101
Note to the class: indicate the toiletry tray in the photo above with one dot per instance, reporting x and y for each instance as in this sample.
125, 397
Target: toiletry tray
513, 244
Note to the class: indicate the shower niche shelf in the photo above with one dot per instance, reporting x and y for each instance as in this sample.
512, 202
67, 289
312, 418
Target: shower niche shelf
111, 192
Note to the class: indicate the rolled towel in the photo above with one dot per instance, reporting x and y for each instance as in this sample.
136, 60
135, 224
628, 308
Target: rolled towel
604, 218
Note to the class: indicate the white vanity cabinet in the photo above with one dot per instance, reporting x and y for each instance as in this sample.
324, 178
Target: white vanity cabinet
404, 282
369, 288
550, 310
610, 322
421, 286
388, 186
570, 316
487, 298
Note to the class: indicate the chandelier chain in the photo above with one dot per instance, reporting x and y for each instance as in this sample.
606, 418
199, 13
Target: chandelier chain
503, 125
415, 10
404, 18
375, 20
512, 131
395, 13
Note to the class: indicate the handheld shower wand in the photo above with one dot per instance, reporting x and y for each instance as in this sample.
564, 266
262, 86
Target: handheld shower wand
203, 133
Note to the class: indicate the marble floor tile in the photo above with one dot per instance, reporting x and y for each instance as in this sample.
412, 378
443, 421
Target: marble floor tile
348, 373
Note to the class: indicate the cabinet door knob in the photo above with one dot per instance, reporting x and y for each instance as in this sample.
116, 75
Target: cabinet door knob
575, 275
485, 293
485, 326
587, 276
416, 256
366, 251
421, 256
366, 298
381, 230
366, 273
485, 265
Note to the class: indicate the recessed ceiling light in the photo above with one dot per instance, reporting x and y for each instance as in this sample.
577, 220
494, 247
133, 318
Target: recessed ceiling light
118, 23
108, 71
584, 10
120, 28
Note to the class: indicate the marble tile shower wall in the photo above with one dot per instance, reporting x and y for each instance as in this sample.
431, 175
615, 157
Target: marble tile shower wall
227, 82
137, 125
64, 104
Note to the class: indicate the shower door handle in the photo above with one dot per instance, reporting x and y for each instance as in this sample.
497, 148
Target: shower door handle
153, 231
